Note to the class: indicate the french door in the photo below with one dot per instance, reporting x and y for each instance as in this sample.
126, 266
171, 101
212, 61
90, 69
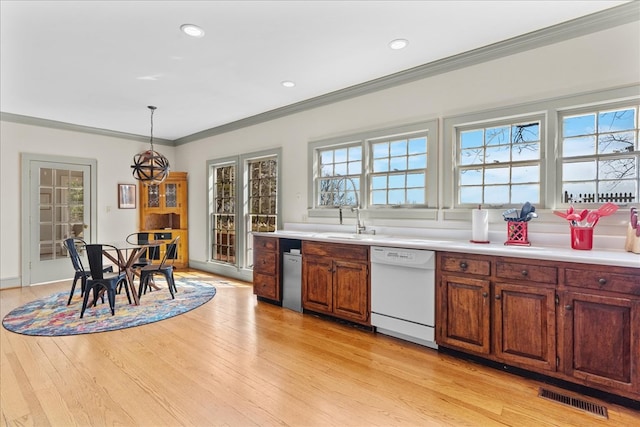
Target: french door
58, 206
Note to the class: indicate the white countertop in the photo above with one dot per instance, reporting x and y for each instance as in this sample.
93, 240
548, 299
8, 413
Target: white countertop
612, 257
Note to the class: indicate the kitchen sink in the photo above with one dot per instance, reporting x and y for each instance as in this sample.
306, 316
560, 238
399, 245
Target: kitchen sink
349, 236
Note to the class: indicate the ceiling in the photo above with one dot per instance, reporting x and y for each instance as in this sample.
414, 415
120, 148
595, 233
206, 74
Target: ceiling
101, 63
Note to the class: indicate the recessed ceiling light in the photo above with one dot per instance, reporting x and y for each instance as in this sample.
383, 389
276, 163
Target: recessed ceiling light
398, 44
288, 83
192, 30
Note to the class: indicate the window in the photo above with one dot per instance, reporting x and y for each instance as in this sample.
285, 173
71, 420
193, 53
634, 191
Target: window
398, 171
262, 194
224, 216
262, 201
600, 155
243, 198
499, 164
378, 171
340, 172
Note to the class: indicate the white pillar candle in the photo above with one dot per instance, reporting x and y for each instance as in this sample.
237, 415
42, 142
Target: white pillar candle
480, 225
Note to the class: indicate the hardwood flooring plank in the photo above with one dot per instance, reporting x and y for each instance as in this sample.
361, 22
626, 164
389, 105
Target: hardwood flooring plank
236, 361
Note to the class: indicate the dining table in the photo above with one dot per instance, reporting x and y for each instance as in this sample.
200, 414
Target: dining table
127, 256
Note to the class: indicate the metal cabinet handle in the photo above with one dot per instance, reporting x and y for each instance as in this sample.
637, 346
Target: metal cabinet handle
484, 294
525, 273
497, 296
568, 307
602, 281
463, 265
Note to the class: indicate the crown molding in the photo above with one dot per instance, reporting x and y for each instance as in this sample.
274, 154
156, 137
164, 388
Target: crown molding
53, 124
610, 18
599, 21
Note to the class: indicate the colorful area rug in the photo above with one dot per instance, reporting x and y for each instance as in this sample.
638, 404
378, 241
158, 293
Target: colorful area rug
51, 316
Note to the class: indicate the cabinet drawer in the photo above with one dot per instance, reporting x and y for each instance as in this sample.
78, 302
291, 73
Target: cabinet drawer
265, 243
265, 262
336, 250
265, 286
605, 281
528, 272
459, 264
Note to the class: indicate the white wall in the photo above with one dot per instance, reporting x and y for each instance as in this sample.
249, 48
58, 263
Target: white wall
114, 158
601, 60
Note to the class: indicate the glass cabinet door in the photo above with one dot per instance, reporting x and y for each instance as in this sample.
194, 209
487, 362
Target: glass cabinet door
153, 196
171, 195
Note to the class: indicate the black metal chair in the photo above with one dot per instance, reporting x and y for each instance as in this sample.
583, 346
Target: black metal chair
150, 254
71, 245
102, 281
165, 268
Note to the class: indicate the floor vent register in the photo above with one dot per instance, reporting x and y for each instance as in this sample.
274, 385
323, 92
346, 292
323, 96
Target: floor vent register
574, 402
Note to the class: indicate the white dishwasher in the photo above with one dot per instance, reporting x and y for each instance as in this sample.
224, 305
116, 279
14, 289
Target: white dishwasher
403, 293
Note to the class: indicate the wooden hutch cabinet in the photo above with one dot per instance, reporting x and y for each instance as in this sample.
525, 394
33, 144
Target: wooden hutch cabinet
163, 209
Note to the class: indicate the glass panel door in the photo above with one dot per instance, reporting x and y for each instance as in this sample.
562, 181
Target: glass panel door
61, 210
60, 202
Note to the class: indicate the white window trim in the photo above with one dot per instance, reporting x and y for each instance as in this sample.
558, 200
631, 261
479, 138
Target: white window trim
534, 117
561, 113
240, 161
363, 139
369, 169
551, 187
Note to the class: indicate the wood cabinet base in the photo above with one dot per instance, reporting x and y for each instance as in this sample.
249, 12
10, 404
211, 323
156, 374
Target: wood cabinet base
335, 280
578, 323
536, 376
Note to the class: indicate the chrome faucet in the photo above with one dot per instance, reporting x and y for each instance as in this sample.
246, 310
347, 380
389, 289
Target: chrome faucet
360, 227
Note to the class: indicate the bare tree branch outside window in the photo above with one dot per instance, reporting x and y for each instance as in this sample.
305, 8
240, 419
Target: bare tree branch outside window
499, 165
601, 155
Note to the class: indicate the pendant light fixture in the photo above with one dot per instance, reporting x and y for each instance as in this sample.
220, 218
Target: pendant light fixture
150, 167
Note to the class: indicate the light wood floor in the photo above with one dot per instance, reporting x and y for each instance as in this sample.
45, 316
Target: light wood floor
239, 362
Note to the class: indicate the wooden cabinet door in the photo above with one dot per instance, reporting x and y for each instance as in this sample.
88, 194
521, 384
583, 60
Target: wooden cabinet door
317, 288
601, 340
182, 253
463, 313
350, 290
524, 325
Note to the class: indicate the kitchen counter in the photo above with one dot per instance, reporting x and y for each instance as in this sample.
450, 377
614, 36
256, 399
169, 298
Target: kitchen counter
595, 256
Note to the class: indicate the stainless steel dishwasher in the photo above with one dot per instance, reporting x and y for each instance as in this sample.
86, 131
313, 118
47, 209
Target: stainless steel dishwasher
292, 281
403, 293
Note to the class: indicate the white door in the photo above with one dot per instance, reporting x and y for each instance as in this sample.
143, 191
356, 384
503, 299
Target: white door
59, 207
